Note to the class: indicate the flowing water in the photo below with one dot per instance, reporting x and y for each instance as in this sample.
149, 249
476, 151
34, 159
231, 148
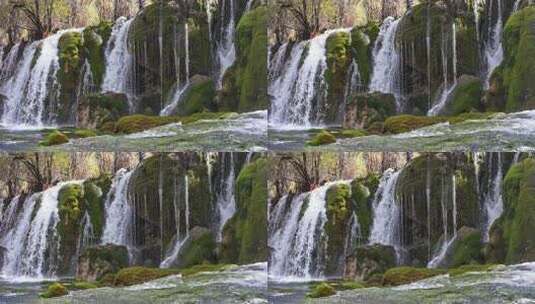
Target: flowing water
493, 47
224, 48
118, 218
493, 199
225, 200
117, 77
386, 62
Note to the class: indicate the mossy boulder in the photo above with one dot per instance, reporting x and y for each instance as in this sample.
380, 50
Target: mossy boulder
322, 290
365, 109
362, 42
513, 230
369, 260
199, 97
338, 61
55, 290
245, 235
465, 97
54, 138
324, 137
70, 63
244, 86
200, 249
466, 248
519, 60
95, 193
339, 211
137, 275
362, 194
471, 268
70, 209
405, 123
405, 275
95, 39
94, 110
138, 122
98, 261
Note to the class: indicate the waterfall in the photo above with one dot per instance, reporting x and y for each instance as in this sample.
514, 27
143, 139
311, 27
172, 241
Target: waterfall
447, 88
296, 235
386, 62
33, 244
118, 223
493, 48
225, 200
353, 83
517, 5
492, 199
428, 203
224, 48
180, 89
386, 212
249, 5
117, 77
179, 242
428, 52
299, 87
87, 235
354, 235
8, 65
447, 241
31, 85
8, 214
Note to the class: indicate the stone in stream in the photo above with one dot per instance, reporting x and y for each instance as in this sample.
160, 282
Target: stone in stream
369, 260
97, 261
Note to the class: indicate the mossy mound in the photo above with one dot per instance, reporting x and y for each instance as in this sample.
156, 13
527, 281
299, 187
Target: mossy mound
199, 97
82, 285
95, 39
95, 190
200, 251
244, 86
467, 250
364, 110
70, 63
338, 62
95, 110
84, 133
322, 138
405, 123
137, 275
362, 190
471, 268
405, 275
70, 209
204, 268
370, 260
54, 138
516, 224
138, 122
322, 290
244, 235
55, 290
466, 97
362, 42
351, 133
97, 262
519, 60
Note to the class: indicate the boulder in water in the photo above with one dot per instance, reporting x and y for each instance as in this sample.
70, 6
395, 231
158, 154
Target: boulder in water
365, 109
465, 97
368, 261
96, 109
198, 249
198, 97
465, 248
97, 261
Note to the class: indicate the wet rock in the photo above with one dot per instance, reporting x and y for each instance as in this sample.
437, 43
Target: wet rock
97, 261
369, 260
365, 109
97, 109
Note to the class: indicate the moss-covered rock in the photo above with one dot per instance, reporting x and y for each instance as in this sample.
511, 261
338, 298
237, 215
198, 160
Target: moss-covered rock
244, 85
98, 261
365, 109
70, 209
362, 42
95, 110
53, 138
338, 61
95, 39
322, 138
322, 290
362, 193
369, 260
95, 192
466, 96
244, 235
519, 60
70, 63
471, 268
513, 230
138, 122
55, 290
405, 123
137, 275
467, 249
200, 250
405, 275
198, 97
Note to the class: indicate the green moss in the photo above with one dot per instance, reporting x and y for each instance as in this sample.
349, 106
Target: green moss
468, 250
95, 196
137, 123
199, 98
467, 97
338, 62
94, 42
70, 209
200, 251
204, 268
244, 235
351, 133
471, 268
137, 275
405, 275
519, 211
350, 285
54, 138
361, 47
84, 285
405, 123
70, 63
206, 116
339, 210
55, 290
519, 60
84, 133
322, 290
322, 138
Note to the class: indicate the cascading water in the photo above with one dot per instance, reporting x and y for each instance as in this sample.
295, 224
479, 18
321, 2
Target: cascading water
225, 200
32, 85
8, 214
225, 49
179, 241
492, 199
180, 88
386, 212
299, 86
117, 77
493, 48
517, 5
296, 235
8, 65
118, 223
30, 242
386, 62
447, 240
447, 88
